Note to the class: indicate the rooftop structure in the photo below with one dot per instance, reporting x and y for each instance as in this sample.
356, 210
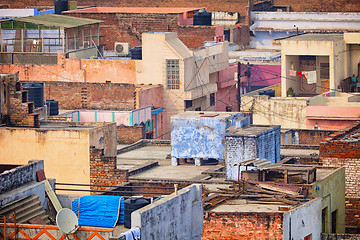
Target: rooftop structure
38, 34
201, 134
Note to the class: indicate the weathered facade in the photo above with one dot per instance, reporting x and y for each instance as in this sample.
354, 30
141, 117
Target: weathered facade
250, 142
342, 149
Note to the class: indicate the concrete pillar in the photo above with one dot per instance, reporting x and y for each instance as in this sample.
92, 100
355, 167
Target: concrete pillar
174, 161
198, 161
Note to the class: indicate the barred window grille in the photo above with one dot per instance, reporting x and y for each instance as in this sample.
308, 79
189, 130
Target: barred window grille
172, 74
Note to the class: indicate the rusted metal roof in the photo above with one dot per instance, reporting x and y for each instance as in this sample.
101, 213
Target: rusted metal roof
54, 20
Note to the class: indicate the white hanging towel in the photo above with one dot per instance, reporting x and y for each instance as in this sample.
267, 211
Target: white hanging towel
311, 77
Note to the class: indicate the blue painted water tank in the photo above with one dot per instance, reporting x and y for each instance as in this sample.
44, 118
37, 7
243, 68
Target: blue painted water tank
202, 18
35, 93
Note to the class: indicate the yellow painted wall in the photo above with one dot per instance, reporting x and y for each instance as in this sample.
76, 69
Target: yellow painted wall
332, 190
65, 152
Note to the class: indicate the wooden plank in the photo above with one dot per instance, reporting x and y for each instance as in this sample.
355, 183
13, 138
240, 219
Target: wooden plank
278, 189
52, 196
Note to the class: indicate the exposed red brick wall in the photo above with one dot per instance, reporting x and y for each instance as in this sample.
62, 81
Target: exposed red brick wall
195, 36
16, 110
211, 5
352, 212
128, 27
101, 96
342, 150
240, 225
103, 170
129, 134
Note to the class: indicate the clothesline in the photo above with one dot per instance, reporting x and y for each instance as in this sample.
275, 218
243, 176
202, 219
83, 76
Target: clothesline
310, 76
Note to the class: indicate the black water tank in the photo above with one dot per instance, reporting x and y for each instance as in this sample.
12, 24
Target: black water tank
202, 18
35, 93
53, 107
136, 53
132, 204
60, 5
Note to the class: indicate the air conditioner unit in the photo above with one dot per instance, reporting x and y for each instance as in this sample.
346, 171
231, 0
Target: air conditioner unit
121, 49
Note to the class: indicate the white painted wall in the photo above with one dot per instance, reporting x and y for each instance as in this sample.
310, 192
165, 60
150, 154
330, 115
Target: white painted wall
306, 21
303, 221
172, 217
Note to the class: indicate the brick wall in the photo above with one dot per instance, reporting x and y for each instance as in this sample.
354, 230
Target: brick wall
211, 5
99, 96
129, 134
305, 136
240, 225
128, 27
342, 149
16, 110
103, 170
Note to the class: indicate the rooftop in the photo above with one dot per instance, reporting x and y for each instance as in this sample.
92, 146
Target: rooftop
198, 115
133, 10
53, 20
316, 37
252, 130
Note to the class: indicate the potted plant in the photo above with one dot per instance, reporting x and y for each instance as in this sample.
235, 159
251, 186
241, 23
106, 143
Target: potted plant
290, 92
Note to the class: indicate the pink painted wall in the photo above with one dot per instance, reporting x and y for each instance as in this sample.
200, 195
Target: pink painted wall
331, 118
261, 76
77, 70
149, 96
184, 20
264, 75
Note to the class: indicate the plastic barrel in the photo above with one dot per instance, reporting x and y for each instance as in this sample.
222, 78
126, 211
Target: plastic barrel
35, 93
132, 204
60, 5
202, 18
136, 53
53, 107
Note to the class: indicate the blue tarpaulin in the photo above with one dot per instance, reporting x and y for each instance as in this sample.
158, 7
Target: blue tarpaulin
99, 211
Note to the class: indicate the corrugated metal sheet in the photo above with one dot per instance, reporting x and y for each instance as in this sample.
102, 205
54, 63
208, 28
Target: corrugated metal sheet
55, 20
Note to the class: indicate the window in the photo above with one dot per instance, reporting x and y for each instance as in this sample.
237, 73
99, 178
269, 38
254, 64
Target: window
212, 99
188, 104
172, 74
198, 109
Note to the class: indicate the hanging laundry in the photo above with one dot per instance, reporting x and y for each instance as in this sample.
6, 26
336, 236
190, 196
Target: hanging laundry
292, 73
299, 73
311, 77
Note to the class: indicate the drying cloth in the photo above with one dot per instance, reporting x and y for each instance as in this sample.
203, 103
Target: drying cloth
310, 76
292, 73
299, 73
128, 235
99, 210
136, 232
132, 234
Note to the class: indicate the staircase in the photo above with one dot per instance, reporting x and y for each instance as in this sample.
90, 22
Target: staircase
26, 208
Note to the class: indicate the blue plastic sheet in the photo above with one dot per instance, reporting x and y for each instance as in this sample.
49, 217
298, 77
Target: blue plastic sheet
99, 211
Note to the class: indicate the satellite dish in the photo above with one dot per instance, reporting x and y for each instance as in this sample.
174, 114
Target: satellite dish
67, 221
